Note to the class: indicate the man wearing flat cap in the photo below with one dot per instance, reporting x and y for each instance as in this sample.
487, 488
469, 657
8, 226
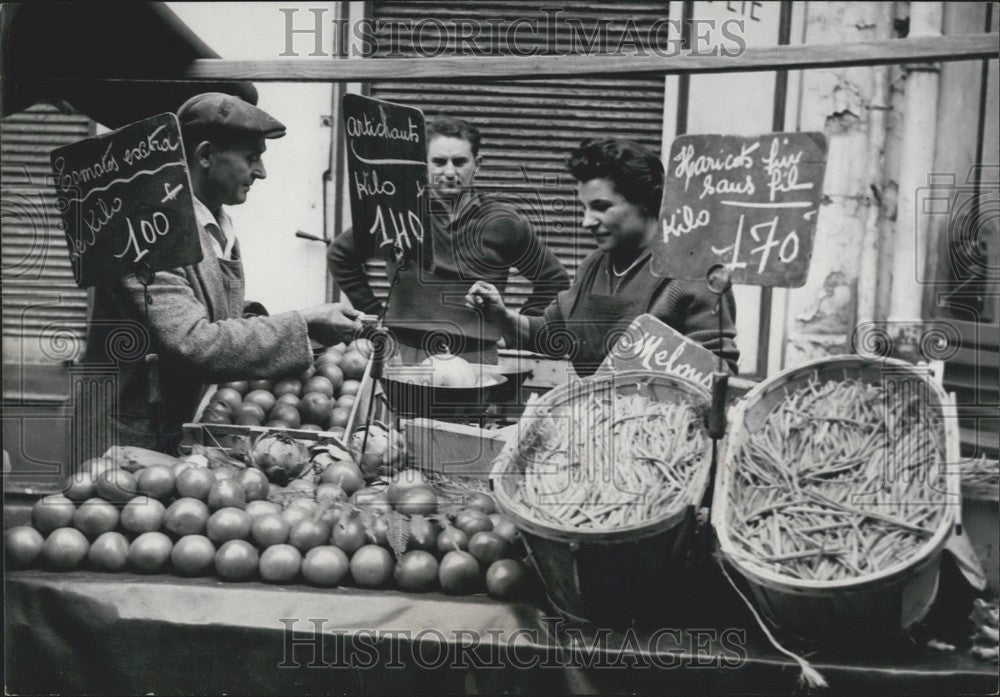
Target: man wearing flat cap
195, 321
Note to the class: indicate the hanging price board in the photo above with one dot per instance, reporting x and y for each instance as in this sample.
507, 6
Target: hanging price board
387, 176
125, 201
749, 203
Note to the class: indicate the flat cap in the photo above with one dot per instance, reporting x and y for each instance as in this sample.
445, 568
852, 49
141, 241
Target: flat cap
217, 110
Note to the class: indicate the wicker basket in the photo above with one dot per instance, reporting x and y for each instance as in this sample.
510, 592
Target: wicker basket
610, 577
873, 605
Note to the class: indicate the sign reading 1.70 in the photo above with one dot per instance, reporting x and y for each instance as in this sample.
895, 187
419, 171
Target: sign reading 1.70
125, 200
748, 203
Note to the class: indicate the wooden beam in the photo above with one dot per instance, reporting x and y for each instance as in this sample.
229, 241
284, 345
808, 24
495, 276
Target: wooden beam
465, 68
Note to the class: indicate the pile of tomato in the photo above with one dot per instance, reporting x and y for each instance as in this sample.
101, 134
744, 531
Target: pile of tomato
326, 529
320, 399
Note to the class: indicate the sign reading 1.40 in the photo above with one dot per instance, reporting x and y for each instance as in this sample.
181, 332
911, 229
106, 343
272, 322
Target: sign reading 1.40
125, 201
387, 175
748, 203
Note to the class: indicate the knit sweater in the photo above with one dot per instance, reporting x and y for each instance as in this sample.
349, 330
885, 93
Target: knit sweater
483, 242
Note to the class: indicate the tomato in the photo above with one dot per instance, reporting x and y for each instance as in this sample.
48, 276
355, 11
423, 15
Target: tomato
268, 530
98, 465
195, 482
349, 534
280, 563
330, 493
186, 516
265, 385
149, 552
450, 539
339, 416
310, 427
331, 516
262, 398
417, 500
221, 408
22, 546
116, 485
288, 399
483, 502
306, 534
307, 373
333, 373
458, 573
94, 517
228, 396
353, 365
226, 494
156, 481
287, 413
254, 483
294, 514
404, 481
109, 552
506, 579
345, 401
64, 549
287, 386
423, 533
228, 524
340, 348
236, 560
350, 387
80, 486
320, 384
346, 474
223, 473
314, 408
241, 386
193, 555
371, 566
488, 547
257, 509
471, 520
142, 514
378, 531
505, 528
417, 571
325, 566
249, 414
52, 512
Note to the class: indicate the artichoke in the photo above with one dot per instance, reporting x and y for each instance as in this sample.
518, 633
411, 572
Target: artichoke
281, 457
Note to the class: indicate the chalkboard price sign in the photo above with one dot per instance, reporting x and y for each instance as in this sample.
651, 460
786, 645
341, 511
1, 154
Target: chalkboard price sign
387, 176
649, 344
749, 203
125, 201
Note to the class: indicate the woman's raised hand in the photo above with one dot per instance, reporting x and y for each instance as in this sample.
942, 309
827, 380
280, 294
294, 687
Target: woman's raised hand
485, 297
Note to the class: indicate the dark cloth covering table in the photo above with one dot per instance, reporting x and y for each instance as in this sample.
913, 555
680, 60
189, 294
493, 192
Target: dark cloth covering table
94, 633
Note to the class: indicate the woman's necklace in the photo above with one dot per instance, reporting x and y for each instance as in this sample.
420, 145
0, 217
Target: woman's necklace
611, 265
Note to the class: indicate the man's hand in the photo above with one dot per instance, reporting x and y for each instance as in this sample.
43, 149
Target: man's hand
332, 323
485, 297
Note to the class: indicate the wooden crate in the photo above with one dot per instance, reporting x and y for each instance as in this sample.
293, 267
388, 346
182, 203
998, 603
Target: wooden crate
453, 449
227, 435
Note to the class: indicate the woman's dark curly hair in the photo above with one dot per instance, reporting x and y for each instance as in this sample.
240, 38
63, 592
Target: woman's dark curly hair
635, 171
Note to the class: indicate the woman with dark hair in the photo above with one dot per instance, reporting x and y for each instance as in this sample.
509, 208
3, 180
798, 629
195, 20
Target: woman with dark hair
620, 185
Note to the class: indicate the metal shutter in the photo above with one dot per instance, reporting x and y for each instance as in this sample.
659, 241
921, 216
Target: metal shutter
530, 126
39, 294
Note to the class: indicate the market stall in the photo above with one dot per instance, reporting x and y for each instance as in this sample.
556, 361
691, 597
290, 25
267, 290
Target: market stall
316, 535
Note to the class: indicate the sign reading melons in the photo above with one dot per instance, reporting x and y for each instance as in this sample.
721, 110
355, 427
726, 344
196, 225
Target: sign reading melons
649, 344
387, 174
125, 201
749, 203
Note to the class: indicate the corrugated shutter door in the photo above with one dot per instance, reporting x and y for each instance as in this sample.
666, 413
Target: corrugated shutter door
39, 294
529, 127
